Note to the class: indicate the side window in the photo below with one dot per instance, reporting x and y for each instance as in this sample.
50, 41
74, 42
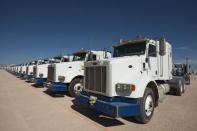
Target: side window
152, 51
91, 57
94, 57
65, 60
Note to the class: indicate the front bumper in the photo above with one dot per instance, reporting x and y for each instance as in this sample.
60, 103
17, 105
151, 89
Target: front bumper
40, 81
28, 77
21, 75
32, 80
56, 86
111, 106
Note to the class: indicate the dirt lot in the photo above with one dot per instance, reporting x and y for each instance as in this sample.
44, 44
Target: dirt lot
24, 107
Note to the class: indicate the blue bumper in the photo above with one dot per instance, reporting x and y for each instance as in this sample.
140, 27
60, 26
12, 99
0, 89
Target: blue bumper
56, 86
111, 106
40, 81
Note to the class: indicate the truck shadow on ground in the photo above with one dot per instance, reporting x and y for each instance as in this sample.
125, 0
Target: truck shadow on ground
54, 94
36, 86
28, 81
132, 119
97, 117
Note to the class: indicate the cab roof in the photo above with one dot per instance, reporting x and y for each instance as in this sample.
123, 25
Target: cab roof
81, 51
128, 42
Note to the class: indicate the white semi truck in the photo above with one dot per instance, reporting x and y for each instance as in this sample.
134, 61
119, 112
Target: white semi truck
68, 76
132, 83
182, 70
29, 70
17, 69
40, 71
23, 70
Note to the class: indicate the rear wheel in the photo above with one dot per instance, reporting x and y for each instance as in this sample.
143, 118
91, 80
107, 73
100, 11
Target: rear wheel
146, 106
75, 86
180, 88
187, 80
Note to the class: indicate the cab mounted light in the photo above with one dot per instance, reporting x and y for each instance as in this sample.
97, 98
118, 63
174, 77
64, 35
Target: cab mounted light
133, 87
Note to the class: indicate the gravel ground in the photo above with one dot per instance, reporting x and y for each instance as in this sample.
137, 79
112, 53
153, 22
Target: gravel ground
24, 107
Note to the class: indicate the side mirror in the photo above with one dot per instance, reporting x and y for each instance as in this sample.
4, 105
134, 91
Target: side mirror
162, 46
90, 56
105, 53
146, 64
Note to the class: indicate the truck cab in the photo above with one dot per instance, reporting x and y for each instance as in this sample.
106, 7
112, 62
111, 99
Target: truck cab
132, 83
29, 70
68, 76
17, 69
41, 69
23, 70
182, 70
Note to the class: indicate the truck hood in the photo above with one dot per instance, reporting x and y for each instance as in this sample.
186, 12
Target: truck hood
42, 66
67, 64
69, 70
125, 58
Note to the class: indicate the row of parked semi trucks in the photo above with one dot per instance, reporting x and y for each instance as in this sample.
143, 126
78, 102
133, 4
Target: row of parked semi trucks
131, 83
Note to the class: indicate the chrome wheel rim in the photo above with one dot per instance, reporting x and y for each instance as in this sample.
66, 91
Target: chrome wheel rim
181, 87
149, 105
78, 87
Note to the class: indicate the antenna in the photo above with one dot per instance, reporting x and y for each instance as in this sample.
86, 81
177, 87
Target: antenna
121, 40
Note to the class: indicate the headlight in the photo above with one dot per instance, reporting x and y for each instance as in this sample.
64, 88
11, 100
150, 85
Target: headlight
61, 78
41, 75
124, 89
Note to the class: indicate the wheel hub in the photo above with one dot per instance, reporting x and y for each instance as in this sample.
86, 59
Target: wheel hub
78, 87
149, 105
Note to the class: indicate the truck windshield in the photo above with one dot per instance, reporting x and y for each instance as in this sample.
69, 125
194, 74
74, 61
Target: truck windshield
79, 57
178, 66
33, 63
130, 49
43, 62
64, 60
56, 60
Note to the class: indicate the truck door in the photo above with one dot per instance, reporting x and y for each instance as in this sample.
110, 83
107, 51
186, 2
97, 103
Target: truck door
153, 63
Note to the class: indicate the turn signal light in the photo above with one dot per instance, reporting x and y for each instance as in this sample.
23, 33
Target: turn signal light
133, 87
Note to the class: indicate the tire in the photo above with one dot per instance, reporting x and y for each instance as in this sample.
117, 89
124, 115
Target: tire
146, 106
187, 81
183, 88
75, 86
180, 89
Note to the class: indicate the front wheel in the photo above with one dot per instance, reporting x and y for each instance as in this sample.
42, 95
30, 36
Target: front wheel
75, 86
147, 103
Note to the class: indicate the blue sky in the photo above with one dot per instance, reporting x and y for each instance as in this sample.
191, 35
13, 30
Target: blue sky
31, 29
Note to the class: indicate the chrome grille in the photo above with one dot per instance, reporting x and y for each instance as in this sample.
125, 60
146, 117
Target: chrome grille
51, 72
34, 71
95, 79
